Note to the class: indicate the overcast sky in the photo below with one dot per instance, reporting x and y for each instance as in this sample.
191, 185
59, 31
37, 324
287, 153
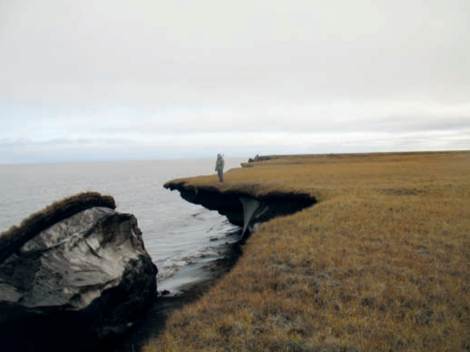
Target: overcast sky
147, 79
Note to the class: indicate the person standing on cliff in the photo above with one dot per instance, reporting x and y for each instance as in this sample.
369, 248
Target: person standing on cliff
219, 167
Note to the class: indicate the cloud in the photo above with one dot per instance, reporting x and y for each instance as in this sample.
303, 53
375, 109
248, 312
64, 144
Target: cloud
149, 52
143, 123
145, 79
230, 143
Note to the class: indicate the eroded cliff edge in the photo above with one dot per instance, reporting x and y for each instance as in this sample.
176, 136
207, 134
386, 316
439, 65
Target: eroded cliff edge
242, 208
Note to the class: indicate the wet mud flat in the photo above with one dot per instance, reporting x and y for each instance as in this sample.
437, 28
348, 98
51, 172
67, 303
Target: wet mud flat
187, 285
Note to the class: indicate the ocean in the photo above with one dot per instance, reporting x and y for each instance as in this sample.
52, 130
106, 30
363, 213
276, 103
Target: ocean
179, 236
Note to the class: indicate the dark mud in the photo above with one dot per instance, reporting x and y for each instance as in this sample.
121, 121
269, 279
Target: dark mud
154, 321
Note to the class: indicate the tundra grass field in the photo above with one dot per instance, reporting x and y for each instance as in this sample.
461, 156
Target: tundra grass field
380, 263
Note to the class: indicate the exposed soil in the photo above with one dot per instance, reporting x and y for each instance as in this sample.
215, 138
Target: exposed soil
153, 322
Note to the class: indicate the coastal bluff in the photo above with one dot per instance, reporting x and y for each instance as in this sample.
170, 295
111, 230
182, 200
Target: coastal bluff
380, 262
73, 276
242, 204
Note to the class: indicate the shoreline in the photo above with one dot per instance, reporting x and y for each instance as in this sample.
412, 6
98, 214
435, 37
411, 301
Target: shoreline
154, 320
376, 264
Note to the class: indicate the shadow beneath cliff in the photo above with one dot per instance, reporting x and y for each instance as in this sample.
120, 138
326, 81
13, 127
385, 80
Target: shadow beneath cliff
154, 321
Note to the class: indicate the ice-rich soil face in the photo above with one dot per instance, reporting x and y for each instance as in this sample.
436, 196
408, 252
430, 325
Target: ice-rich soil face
243, 209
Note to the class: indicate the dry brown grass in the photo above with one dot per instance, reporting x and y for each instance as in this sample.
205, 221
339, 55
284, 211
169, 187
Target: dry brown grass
381, 263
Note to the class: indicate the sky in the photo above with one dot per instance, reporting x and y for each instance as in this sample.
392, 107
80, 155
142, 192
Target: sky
94, 80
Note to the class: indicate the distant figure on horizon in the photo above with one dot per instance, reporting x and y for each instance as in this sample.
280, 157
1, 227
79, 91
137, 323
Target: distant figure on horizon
219, 167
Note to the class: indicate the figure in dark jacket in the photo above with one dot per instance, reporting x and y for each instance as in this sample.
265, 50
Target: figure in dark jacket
219, 167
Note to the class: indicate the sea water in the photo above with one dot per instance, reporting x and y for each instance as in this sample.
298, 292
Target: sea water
178, 235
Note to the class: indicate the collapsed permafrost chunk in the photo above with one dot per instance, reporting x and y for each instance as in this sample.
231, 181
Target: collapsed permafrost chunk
77, 283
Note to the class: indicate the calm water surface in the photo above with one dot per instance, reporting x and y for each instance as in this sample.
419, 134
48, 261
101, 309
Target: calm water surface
177, 234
